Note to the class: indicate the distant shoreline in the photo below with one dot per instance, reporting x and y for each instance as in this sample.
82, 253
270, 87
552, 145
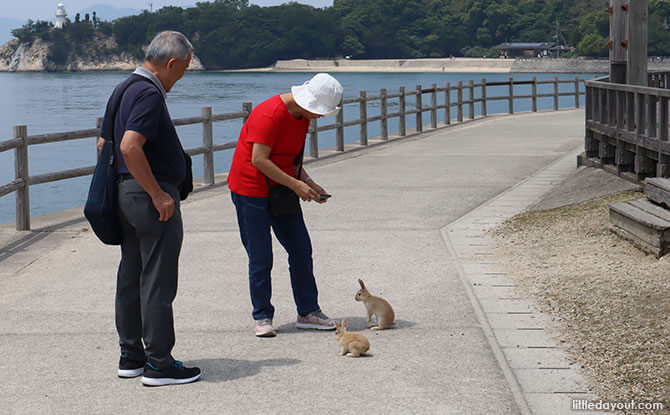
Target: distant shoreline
448, 65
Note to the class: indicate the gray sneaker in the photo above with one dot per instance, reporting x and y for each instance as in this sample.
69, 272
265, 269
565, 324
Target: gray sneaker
264, 328
315, 320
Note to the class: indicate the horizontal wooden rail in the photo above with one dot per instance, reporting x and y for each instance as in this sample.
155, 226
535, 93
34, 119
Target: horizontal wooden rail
464, 104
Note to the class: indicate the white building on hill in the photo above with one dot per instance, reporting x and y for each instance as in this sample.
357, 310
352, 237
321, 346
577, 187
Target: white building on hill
61, 16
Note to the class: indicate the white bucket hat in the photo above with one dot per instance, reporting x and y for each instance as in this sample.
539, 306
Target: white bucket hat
320, 95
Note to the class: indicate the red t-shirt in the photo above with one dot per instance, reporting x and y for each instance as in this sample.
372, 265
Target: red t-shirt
270, 124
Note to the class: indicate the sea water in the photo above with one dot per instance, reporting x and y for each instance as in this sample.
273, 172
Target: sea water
57, 102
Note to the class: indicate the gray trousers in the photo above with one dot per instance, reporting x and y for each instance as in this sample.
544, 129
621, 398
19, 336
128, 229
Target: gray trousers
147, 278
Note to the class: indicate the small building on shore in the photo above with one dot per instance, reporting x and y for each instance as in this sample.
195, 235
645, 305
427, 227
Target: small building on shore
527, 50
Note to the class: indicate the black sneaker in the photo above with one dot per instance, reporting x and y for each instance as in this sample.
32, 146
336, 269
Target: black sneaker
129, 367
171, 375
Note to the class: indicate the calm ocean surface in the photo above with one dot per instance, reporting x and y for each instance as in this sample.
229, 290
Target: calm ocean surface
55, 102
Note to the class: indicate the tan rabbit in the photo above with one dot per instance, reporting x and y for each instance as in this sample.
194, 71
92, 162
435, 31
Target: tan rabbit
376, 306
354, 343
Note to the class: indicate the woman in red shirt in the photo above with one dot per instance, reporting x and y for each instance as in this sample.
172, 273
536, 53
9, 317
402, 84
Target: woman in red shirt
268, 153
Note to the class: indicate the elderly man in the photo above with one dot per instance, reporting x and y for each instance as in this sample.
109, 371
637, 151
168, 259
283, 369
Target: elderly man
151, 167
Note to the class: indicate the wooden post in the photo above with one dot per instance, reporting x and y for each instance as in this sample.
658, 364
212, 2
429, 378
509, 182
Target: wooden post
511, 96
637, 42
484, 105
662, 168
98, 125
246, 107
630, 113
208, 143
447, 103
618, 40
459, 104
21, 173
314, 139
556, 93
433, 106
534, 94
651, 116
577, 92
402, 124
471, 87
339, 134
363, 110
419, 115
384, 113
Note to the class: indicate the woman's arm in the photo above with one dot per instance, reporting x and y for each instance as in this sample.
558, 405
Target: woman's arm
260, 158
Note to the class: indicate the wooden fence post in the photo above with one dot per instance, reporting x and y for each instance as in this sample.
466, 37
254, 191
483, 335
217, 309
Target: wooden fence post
534, 94
556, 93
484, 104
246, 107
339, 136
663, 160
577, 92
98, 125
363, 111
419, 114
460, 101
433, 106
402, 124
21, 173
208, 143
447, 103
511, 96
471, 87
314, 139
384, 113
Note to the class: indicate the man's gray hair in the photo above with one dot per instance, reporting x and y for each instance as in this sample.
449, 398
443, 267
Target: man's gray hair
167, 45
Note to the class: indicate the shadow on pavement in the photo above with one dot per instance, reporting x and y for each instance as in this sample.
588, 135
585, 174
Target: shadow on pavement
225, 370
353, 324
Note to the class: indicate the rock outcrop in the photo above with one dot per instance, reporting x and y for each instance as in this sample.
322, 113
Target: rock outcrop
101, 53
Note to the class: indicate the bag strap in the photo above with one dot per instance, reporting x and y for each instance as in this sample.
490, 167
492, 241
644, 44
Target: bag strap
117, 105
299, 156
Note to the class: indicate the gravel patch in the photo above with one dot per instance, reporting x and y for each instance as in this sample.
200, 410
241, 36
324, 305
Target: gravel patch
611, 300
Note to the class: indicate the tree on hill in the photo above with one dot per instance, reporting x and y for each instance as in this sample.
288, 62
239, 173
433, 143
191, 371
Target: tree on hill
234, 34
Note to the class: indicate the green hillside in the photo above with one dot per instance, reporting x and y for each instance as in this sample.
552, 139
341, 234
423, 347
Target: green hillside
233, 34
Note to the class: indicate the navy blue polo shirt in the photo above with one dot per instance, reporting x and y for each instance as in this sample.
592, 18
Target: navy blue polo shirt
143, 110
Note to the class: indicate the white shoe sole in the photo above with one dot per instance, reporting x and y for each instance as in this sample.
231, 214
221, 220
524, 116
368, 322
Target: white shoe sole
313, 326
267, 334
168, 381
130, 373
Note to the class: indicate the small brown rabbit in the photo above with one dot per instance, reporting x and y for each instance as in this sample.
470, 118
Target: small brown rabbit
376, 306
354, 343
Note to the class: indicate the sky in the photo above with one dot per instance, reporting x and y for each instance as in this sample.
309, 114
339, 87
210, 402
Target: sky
45, 9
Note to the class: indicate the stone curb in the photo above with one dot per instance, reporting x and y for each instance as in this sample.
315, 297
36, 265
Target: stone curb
522, 338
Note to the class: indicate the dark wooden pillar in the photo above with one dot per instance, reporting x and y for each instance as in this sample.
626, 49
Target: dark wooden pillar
637, 42
618, 43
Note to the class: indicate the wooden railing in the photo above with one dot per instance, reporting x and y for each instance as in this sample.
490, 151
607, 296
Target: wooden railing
461, 106
627, 127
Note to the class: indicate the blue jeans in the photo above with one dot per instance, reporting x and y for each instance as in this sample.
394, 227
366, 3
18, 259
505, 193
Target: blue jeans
255, 221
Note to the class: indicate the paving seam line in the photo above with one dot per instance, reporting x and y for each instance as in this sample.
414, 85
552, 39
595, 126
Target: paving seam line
469, 218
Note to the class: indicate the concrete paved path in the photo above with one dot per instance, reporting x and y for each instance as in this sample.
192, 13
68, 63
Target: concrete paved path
383, 224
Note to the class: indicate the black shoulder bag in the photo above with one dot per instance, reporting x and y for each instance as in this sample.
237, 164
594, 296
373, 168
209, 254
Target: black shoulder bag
284, 201
100, 208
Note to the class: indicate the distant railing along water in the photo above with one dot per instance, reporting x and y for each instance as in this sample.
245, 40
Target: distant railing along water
460, 106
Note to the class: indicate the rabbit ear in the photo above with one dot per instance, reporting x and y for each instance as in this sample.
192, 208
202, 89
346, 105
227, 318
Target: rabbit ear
344, 322
361, 282
337, 325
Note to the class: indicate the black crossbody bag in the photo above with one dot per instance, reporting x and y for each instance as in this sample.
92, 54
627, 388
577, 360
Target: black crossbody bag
284, 201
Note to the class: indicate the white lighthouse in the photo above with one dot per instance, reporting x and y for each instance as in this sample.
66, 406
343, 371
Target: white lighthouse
61, 15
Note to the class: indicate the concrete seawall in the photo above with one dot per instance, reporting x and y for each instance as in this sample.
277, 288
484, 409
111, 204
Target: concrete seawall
453, 65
